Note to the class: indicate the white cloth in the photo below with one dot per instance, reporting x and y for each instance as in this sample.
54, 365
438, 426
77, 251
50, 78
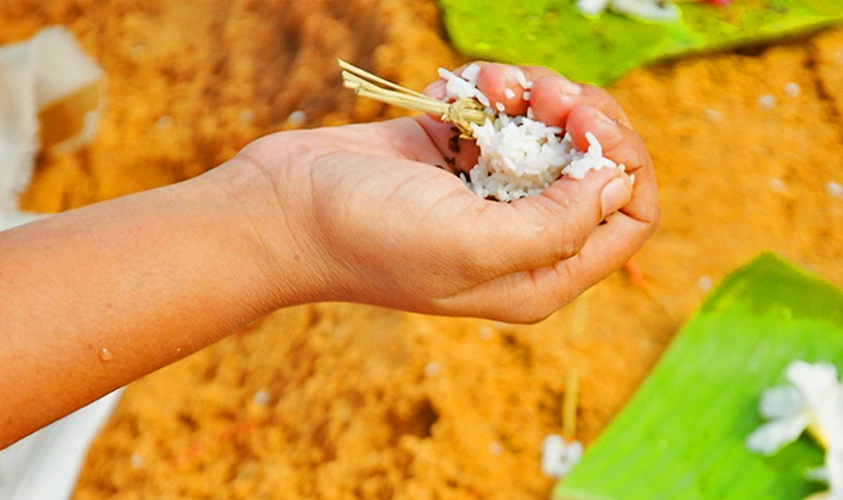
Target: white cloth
33, 75
46, 464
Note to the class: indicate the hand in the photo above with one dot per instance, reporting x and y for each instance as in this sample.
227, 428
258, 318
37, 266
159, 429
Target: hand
367, 217
358, 213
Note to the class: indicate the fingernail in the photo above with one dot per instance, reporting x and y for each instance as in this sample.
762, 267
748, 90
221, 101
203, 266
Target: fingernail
437, 90
615, 195
569, 87
605, 118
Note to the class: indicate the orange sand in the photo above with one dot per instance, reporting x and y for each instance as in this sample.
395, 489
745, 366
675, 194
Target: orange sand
344, 401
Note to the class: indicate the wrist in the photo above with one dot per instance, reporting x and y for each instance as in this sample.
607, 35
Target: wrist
266, 210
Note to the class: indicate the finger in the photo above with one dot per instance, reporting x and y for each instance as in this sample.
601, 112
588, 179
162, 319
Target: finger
622, 145
459, 154
493, 80
505, 86
609, 248
455, 154
553, 98
530, 296
498, 239
407, 139
508, 88
438, 88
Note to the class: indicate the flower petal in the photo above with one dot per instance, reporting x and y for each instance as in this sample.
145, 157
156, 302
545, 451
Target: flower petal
829, 418
823, 396
816, 382
771, 437
834, 471
781, 402
559, 456
817, 474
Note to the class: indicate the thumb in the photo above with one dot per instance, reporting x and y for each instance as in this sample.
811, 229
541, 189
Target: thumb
615, 194
538, 231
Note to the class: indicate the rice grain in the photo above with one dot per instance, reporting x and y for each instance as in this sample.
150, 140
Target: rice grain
520, 156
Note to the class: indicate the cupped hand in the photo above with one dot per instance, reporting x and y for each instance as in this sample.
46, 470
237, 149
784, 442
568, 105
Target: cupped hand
371, 213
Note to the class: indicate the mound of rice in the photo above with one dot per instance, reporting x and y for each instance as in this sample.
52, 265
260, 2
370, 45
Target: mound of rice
519, 156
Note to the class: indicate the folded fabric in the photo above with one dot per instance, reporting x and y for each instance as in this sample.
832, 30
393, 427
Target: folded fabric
51, 94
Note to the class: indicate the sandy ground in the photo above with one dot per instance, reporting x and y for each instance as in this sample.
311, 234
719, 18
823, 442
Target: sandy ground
344, 401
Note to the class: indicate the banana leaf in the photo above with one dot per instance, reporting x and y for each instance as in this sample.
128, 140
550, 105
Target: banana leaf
682, 435
552, 33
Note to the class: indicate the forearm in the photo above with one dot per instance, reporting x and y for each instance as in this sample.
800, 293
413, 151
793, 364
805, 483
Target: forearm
94, 298
97, 297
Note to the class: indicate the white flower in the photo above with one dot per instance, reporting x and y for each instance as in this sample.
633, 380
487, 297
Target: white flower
834, 471
831, 473
559, 456
813, 402
660, 11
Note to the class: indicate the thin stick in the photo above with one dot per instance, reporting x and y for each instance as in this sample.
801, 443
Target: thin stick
570, 403
580, 319
365, 75
405, 100
462, 113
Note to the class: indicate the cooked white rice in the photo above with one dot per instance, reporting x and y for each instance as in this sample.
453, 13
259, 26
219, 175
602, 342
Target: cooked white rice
520, 156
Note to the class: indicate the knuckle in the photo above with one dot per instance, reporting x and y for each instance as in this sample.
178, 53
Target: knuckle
555, 234
572, 238
535, 311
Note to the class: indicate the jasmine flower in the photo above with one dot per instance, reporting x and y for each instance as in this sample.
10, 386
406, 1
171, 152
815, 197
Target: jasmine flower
559, 456
814, 402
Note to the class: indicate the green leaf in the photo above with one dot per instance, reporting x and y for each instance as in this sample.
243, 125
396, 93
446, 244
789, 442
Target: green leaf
552, 33
682, 436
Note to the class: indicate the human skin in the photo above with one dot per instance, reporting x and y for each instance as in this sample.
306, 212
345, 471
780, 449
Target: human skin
94, 298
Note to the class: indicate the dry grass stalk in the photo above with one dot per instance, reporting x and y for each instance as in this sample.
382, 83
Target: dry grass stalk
570, 403
462, 112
